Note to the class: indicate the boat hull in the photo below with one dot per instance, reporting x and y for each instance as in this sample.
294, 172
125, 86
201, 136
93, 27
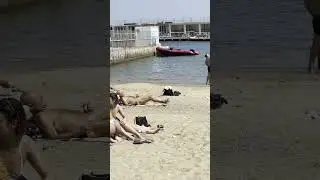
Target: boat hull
165, 52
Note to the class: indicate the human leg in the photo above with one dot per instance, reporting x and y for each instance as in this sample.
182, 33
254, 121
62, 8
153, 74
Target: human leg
314, 50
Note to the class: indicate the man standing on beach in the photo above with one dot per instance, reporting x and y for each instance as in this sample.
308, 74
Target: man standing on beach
313, 7
207, 61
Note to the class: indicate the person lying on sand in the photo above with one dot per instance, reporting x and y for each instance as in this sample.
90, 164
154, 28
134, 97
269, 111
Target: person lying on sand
62, 124
115, 109
138, 100
16, 148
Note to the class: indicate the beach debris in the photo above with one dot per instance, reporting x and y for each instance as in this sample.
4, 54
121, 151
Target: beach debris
313, 115
217, 101
236, 77
94, 176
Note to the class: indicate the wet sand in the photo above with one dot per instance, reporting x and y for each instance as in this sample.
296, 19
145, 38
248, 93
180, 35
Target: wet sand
68, 89
181, 151
269, 129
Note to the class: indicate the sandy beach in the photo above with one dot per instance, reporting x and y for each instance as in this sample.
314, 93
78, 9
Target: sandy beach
269, 129
181, 151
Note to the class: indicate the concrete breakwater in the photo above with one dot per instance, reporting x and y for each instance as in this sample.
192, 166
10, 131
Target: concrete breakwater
120, 55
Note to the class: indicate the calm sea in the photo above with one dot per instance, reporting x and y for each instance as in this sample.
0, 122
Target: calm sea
176, 70
261, 35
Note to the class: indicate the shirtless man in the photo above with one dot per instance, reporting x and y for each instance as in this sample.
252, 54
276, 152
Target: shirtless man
313, 7
63, 123
139, 100
16, 148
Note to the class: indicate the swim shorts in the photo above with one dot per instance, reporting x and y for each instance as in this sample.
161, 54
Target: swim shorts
316, 24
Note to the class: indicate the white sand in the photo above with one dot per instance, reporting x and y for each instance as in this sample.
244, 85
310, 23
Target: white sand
181, 151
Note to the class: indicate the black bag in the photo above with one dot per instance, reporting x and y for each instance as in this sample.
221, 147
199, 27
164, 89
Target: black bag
170, 92
142, 121
93, 176
167, 92
217, 100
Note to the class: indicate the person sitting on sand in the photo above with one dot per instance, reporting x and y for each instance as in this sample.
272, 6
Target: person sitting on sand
139, 100
62, 123
16, 148
115, 109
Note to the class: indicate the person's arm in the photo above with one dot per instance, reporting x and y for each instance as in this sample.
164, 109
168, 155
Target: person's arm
124, 101
120, 110
33, 156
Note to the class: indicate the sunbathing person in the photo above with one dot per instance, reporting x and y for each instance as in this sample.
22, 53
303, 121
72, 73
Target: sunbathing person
62, 123
138, 100
16, 148
115, 109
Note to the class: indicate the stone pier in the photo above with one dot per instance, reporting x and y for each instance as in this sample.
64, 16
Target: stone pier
120, 55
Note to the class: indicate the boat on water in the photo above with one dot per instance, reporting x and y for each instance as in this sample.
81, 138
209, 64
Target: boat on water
164, 51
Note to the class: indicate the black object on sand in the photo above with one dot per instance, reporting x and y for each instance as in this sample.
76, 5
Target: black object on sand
168, 91
217, 100
93, 176
142, 121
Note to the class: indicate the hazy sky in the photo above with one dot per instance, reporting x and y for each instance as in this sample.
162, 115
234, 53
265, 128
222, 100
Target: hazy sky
136, 10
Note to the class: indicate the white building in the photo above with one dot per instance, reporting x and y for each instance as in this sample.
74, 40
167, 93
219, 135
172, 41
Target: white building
133, 35
147, 36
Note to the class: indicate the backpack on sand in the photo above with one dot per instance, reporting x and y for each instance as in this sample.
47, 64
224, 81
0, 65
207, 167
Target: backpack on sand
168, 91
142, 121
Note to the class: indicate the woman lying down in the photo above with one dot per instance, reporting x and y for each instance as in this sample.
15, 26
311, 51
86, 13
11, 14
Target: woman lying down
121, 128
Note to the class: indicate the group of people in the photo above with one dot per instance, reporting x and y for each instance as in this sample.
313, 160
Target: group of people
16, 147
120, 126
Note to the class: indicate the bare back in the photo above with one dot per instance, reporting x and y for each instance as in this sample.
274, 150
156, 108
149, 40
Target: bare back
63, 121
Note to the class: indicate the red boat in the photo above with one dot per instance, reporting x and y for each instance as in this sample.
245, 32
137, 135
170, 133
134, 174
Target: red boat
175, 52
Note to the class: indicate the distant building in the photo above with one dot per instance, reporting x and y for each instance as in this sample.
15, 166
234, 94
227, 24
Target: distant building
130, 35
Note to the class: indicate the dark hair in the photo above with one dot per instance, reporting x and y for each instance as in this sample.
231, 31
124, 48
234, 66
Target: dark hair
114, 98
13, 111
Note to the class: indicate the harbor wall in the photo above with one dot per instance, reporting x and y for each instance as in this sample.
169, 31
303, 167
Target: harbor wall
121, 55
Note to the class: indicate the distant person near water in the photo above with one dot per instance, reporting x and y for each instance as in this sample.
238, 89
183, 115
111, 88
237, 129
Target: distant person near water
207, 61
313, 7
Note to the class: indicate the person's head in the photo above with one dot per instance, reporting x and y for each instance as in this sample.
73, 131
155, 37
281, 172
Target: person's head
12, 120
207, 56
120, 93
33, 101
113, 103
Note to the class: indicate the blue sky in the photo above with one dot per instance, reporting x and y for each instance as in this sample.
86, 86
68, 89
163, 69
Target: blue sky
136, 10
